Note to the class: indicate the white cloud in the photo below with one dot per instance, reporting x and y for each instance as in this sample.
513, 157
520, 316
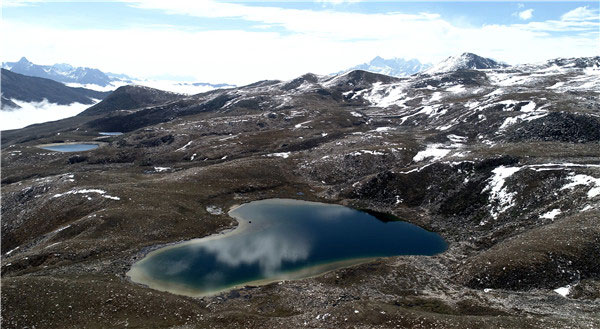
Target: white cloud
37, 112
526, 14
323, 23
580, 14
321, 41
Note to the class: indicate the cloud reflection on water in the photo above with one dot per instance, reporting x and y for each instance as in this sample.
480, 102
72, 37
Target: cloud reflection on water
269, 249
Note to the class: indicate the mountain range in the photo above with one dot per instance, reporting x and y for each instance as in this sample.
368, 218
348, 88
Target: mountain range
65, 73
502, 162
397, 67
90, 77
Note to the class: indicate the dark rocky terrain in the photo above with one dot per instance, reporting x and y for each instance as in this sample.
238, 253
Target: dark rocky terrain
504, 163
33, 89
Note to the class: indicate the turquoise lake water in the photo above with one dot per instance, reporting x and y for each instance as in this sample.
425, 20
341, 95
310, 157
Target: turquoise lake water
279, 236
71, 147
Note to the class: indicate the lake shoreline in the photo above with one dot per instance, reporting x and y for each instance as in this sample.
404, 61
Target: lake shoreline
137, 274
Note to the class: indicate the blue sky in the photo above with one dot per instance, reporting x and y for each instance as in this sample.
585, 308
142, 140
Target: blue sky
241, 42
118, 15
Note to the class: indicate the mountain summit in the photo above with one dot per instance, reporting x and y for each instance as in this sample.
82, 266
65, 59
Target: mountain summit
397, 67
466, 61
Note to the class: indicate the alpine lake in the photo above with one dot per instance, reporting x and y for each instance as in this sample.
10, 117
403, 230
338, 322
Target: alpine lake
69, 147
280, 239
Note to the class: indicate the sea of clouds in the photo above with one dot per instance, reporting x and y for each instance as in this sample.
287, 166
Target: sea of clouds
37, 112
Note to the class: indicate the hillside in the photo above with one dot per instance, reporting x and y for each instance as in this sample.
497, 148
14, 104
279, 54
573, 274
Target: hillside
33, 89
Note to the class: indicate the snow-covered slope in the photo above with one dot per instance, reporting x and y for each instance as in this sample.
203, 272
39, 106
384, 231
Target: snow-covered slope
465, 61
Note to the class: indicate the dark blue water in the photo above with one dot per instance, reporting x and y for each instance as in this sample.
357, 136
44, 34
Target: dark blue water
115, 133
70, 147
284, 236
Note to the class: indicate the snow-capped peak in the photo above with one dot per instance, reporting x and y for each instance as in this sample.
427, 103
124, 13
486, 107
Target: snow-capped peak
465, 61
397, 67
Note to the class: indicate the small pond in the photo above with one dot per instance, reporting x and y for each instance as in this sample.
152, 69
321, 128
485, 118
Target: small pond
280, 239
69, 147
110, 133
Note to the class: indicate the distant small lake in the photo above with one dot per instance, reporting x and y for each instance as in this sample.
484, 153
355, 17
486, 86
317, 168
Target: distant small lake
280, 239
113, 133
69, 147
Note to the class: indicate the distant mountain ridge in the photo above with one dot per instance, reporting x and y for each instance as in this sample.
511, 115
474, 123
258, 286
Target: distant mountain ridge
86, 76
65, 73
397, 67
33, 89
206, 84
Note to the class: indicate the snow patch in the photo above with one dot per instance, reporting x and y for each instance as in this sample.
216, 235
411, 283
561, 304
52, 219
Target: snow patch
372, 152
214, 210
61, 228
385, 95
434, 151
577, 180
499, 195
436, 96
184, 146
456, 89
457, 139
301, 125
51, 245
86, 192
563, 291
284, 155
551, 214
529, 113
11, 251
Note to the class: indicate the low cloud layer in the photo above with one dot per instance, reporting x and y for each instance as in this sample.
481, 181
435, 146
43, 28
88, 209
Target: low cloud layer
37, 112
